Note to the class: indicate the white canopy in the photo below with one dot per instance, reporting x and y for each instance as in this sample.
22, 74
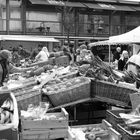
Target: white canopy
28, 38
106, 42
132, 36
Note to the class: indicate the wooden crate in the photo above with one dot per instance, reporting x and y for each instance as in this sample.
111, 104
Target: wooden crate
44, 134
113, 117
109, 132
10, 131
45, 129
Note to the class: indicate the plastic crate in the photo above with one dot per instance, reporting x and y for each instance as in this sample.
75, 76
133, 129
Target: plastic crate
127, 135
113, 117
111, 92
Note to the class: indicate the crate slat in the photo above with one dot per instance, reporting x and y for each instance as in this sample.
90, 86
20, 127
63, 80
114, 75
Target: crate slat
43, 135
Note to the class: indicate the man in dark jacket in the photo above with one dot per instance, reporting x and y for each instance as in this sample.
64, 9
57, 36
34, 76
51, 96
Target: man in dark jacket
23, 52
36, 51
117, 54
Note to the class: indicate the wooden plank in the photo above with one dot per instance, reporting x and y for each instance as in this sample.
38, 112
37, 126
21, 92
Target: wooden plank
111, 101
44, 124
70, 104
37, 135
44, 131
114, 134
65, 113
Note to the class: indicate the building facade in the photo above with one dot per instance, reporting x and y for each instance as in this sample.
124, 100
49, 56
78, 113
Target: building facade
96, 19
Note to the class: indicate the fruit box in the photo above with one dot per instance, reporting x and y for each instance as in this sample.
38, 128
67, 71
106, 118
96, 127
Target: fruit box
113, 117
10, 131
126, 134
28, 124
46, 129
74, 89
103, 131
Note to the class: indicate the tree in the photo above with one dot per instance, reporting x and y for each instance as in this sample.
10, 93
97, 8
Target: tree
68, 19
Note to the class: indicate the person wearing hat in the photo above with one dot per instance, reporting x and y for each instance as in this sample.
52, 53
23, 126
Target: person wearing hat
6, 67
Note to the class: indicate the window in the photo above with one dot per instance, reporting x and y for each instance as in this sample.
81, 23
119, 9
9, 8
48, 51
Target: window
3, 15
15, 25
15, 16
116, 25
15, 13
131, 22
94, 24
37, 19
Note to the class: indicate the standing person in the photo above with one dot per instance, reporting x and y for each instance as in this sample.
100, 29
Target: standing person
23, 52
36, 51
6, 67
66, 50
77, 59
123, 60
116, 57
43, 55
15, 57
117, 54
133, 65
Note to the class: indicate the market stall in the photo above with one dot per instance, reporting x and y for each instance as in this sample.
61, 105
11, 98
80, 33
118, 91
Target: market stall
131, 37
51, 87
106, 48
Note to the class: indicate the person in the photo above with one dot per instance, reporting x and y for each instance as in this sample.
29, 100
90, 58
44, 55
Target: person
66, 51
117, 54
15, 57
123, 60
36, 51
6, 67
133, 66
77, 57
43, 55
10, 48
23, 52
83, 46
84, 56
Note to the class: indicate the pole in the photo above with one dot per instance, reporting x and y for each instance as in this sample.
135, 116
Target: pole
109, 53
7, 15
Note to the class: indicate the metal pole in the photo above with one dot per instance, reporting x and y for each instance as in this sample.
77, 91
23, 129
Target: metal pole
109, 53
7, 15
